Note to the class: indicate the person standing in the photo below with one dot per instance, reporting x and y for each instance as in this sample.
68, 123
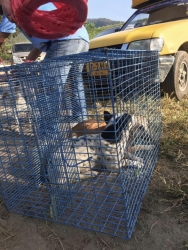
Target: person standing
74, 101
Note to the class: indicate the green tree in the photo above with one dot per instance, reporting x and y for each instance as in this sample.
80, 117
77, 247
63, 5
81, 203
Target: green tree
91, 29
13, 38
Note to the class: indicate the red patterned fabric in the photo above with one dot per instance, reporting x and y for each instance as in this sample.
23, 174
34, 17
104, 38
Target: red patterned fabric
69, 16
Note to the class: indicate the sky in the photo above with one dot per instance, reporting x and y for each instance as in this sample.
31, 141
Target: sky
117, 10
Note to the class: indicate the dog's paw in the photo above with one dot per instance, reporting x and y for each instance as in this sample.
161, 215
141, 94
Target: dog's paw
149, 147
136, 164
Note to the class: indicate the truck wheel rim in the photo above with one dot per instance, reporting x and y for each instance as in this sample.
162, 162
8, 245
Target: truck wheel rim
183, 76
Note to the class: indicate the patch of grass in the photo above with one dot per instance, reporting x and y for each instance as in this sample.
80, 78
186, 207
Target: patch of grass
174, 150
186, 244
174, 140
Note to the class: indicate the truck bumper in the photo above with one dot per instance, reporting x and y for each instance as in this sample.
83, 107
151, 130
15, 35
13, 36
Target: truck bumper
165, 64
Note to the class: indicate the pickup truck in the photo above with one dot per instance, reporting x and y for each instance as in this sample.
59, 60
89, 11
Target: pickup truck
161, 26
20, 51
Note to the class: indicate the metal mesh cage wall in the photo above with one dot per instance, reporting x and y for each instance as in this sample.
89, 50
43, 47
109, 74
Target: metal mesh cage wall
80, 138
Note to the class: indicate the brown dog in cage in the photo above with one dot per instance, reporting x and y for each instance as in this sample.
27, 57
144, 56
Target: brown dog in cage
104, 151
93, 126
114, 146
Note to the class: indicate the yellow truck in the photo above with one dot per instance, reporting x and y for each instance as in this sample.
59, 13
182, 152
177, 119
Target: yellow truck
161, 26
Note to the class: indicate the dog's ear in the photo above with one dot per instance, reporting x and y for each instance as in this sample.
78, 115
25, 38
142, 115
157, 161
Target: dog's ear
107, 116
113, 132
109, 133
122, 122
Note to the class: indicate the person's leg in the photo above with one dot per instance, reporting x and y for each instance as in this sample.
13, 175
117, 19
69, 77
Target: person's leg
73, 95
66, 47
78, 102
63, 100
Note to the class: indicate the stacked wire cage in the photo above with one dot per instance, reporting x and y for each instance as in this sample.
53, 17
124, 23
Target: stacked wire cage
91, 170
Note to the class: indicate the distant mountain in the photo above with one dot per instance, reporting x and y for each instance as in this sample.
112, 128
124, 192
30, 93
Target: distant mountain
100, 22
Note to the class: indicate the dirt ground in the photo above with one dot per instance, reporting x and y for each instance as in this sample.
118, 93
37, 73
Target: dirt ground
162, 224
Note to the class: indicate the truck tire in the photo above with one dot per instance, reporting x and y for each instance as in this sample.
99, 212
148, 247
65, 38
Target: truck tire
176, 82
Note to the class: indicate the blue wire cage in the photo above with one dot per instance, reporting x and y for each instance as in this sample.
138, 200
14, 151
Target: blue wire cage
80, 138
